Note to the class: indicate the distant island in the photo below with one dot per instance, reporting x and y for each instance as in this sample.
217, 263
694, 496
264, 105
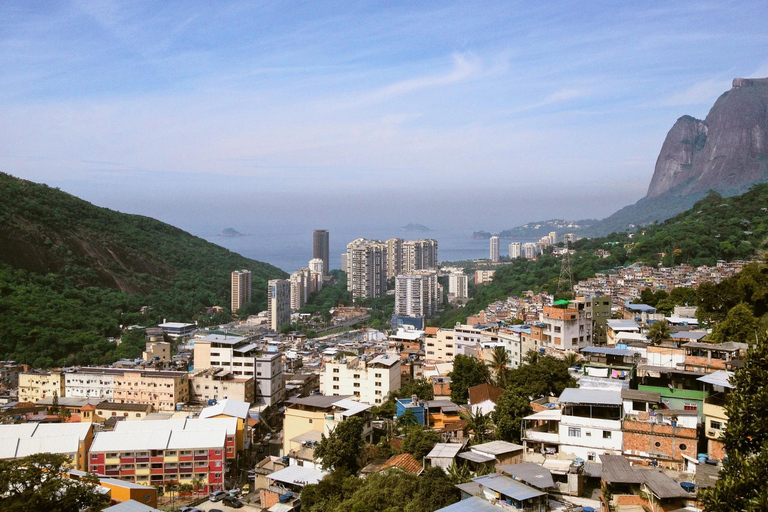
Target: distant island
231, 232
481, 234
415, 227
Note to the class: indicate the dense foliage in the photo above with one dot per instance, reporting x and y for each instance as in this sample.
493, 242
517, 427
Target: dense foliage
390, 491
37, 482
467, 371
341, 449
72, 273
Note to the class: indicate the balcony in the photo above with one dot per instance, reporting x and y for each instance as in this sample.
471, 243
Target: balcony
543, 435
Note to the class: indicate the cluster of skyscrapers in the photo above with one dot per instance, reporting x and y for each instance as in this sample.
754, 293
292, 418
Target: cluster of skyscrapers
527, 250
369, 263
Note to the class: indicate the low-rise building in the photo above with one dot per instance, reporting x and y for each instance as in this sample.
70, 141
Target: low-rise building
219, 384
368, 380
37, 384
715, 417
591, 422
25, 439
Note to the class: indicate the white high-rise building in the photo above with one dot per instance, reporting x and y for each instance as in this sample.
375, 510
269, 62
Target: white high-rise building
370, 381
457, 285
419, 255
552, 237
241, 289
515, 249
278, 303
494, 248
316, 272
366, 268
530, 250
300, 288
416, 295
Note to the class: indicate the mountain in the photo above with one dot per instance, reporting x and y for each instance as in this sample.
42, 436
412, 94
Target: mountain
71, 273
727, 152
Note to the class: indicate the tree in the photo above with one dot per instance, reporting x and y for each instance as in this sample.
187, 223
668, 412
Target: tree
512, 407
741, 485
467, 372
407, 419
659, 331
436, 491
479, 424
37, 482
420, 441
499, 363
739, 325
340, 450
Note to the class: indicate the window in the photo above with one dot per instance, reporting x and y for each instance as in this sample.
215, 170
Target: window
335, 379
716, 425
691, 407
335, 387
335, 370
606, 434
574, 432
310, 420
217, 452
683, 447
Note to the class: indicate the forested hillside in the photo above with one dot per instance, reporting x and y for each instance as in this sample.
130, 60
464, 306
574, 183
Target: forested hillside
71, 273
716, 228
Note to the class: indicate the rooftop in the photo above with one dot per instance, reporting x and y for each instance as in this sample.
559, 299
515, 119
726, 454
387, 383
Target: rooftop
508, 487
444, 451
590, 396
497, 447
530, 473
297, 475
720, 378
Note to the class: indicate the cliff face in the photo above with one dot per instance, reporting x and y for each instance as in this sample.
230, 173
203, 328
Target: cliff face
726, 152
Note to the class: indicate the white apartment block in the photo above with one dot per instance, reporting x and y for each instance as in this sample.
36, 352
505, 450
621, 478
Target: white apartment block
590, 424
90, 383
278, 303
366, 268
241, 289
484, 276
416, 295
512, 341
494, 249
242, 357
552, 237
458, 285
300, 288
316, 272
370, 381
530, 250
515, 250
566, 328
419, 255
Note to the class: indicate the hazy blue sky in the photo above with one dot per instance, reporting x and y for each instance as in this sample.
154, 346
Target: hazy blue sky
473, 114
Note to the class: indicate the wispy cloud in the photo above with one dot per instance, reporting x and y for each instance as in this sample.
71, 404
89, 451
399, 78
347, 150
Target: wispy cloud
703, 92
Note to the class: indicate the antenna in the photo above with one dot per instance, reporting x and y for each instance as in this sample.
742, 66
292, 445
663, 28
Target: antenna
565, 282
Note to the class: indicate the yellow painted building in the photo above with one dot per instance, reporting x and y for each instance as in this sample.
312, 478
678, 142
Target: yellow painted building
39, 384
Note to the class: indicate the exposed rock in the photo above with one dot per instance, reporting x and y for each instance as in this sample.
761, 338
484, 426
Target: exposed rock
726, 152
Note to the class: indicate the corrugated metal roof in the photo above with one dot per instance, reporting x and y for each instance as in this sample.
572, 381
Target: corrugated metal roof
351, 407
530, 473
719, 378
497, 447
149, 425
592, 469
197, 439
623, 325
607, 351
444, 451
662, 485
689, 335
228, 424
508, 487
319, 401
643, 396
476, 457
590, 396
616, 470
228, 407
58, 444
472, 504
131, 506
130, 441
297, 475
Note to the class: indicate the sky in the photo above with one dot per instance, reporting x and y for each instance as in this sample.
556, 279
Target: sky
471, 115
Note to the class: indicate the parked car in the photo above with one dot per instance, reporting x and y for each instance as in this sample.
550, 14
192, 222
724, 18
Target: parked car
232, 502
217, 495
190, 509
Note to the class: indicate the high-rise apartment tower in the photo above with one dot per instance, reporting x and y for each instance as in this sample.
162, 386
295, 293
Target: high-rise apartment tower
320, 248
241, 289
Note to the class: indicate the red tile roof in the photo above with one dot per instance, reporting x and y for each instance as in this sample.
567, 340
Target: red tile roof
405, 462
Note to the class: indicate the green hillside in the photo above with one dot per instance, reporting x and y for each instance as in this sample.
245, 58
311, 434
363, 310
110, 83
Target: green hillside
71, 273
716, 228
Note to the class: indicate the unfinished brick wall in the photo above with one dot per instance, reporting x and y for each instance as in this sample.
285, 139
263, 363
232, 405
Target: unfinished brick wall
665, 443
716, 449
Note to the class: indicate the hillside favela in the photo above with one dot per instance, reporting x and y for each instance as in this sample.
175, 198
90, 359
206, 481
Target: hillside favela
366, 257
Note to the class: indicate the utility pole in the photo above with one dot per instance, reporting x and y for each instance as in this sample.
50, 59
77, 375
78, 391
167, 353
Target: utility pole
565, 281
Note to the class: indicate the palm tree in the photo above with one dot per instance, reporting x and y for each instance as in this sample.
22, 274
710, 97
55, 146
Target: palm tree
480, 424
499, 363
532, 357
572, 359
459, 473
659, 331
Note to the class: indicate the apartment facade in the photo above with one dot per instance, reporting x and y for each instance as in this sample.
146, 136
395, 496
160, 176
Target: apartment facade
278, 303
38, 384
590, 422
394, 257
220, 384
366, 268
241, 289
368, 380
566, 327
160, 389
458, 286
416, 295
150, 455
299, 288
